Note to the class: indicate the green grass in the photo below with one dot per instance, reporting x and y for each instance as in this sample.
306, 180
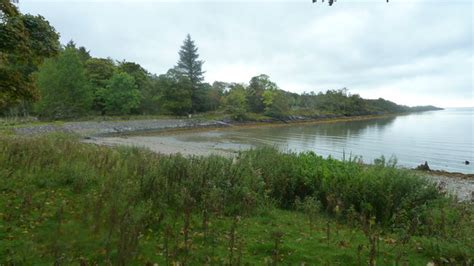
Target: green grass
65, 202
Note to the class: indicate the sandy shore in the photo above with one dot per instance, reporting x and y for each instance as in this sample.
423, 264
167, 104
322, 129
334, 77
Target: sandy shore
165, 145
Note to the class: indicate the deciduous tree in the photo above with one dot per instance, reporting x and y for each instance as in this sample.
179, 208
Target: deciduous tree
277, 103
64, 89
176, 93
257, 86
120, 95
83, 53
25, 41
99, 71
140, 75
236, 102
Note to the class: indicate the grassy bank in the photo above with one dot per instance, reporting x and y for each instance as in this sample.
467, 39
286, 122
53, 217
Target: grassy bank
65, 202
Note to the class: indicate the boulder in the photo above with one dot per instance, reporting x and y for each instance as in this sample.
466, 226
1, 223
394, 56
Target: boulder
423, 167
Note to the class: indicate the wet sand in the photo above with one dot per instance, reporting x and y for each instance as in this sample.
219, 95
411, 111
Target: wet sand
167, 145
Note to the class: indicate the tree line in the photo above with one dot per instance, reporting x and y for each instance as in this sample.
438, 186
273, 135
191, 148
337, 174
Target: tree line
40, 77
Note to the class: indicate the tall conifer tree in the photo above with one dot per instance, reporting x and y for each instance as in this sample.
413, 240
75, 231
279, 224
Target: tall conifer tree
190, 66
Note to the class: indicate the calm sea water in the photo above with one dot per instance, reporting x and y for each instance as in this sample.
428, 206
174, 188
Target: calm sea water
445, 139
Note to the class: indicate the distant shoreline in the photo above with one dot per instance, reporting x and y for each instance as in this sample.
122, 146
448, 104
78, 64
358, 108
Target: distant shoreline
91, 128
222, 124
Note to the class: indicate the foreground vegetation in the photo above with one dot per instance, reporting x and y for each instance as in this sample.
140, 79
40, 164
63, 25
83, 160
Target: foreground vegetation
65, 202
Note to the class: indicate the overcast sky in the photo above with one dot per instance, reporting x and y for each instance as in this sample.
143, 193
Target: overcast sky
408, 51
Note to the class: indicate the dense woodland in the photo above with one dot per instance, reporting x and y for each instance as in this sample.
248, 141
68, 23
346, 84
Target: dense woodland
43, 78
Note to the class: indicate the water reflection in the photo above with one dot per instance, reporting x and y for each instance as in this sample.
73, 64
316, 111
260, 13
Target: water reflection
444, 139
342, 130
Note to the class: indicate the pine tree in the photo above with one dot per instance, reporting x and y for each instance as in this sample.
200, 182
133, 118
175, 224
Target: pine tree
190, 66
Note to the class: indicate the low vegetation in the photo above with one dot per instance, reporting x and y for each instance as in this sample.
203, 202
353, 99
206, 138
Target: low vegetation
65, 202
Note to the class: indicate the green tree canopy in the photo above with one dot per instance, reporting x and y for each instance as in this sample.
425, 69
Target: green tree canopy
25, 41
190, 66
215, 94
176, 92
277, 103
257, 86
140, 75
64, 89
99, 71
151, 96
236, 102
120, 95
83, 53
145, 84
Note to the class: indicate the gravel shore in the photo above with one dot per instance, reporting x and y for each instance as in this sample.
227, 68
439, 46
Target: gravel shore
95, 128
462, 188
100, 128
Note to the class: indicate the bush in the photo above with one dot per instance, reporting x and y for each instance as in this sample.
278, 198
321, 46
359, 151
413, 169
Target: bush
343, 184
